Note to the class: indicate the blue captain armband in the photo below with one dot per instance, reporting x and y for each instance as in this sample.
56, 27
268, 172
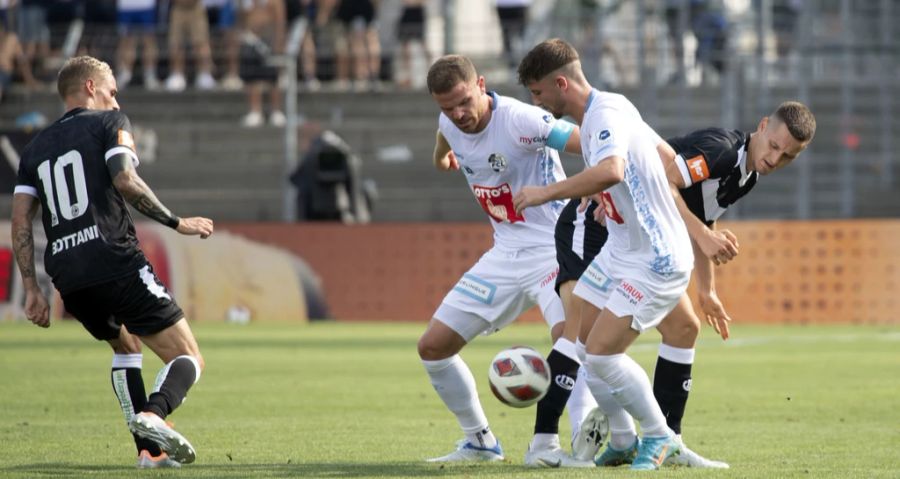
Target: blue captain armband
560, 134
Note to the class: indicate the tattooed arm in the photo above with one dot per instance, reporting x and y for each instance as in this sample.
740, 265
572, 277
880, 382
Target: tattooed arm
141, 197
25, 207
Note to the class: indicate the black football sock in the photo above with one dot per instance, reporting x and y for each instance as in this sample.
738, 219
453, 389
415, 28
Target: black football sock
563, 372
672, 383
128, 384
173, 383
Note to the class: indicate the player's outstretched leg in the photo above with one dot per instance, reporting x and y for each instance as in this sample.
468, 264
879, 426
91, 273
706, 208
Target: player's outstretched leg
454, 383
128, 384
172, 385
631, 388
545, 450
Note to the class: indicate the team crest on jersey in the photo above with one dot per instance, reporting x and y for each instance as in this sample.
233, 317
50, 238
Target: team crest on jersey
604, 134
498, 162
547, 118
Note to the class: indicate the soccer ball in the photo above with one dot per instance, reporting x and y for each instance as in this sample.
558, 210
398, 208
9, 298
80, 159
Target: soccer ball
519, 376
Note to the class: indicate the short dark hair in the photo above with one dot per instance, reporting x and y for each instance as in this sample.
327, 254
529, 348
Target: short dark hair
799, 121
448, 71
544, 59
76, 71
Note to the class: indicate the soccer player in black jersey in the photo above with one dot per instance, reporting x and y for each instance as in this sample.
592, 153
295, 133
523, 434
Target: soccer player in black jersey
81, 172
712, 168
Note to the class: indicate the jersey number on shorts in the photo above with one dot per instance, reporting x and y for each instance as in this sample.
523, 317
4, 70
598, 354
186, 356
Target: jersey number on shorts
497, 202
56, 182
609, 207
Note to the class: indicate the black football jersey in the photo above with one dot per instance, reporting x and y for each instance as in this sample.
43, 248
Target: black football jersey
90, 233
713, 164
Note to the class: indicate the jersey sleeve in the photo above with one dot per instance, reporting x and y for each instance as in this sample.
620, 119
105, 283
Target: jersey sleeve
118, 137
609, 138
536, 128
25, 181
705, 154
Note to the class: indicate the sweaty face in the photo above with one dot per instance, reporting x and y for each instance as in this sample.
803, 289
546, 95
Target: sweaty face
465, 105
774, 147
547, 95
105, 93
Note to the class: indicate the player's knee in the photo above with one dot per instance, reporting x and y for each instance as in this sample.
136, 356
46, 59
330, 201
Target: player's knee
683, 334
428, 351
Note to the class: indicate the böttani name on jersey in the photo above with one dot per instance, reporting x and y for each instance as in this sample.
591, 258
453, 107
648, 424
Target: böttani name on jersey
75, 239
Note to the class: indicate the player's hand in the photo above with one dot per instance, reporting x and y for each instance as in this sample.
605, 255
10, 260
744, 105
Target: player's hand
37, 310
585, 202
196, 225
714, 312
449, 162
720, 246
454, 162
529, 196
599, 211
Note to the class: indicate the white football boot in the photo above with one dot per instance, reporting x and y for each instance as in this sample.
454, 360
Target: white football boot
152, 427
552, 455
591, 435
690, 458
468, 452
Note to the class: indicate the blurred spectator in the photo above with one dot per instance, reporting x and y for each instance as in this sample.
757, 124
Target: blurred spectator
410, 30
11, 52
784, 23
263, 26
100, 29
33, 31
357, 45
710, 27
222, 17
136, 18
306, 9
513, 15
188, 17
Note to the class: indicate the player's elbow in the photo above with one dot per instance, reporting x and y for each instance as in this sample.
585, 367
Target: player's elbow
126, 182
615, 170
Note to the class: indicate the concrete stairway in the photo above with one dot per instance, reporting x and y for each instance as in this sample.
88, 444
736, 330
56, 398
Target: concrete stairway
208, 164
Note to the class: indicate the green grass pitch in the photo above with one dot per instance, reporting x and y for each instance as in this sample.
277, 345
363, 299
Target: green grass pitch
352, 400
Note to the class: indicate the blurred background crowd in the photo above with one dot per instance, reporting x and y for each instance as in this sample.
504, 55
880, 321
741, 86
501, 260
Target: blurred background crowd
242, 90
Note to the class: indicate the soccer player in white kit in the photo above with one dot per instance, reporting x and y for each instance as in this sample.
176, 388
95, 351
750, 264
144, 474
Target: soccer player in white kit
644, 267
501, 145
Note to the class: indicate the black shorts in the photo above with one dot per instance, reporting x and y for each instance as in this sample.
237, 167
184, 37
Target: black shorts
349, 10
254, 64
412, 24
592, 235
138, 301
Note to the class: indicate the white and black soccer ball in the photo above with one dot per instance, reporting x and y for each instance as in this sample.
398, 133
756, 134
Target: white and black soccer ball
519, 376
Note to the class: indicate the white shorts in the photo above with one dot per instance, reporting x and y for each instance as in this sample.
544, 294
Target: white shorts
501, 286
645, 296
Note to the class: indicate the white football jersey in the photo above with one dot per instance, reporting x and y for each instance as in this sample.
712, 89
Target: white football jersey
645, 228
509, 154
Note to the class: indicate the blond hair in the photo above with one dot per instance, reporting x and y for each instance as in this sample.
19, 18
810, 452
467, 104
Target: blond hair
78, 70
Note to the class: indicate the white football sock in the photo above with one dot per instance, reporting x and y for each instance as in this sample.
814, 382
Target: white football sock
631, 388
454, 383
621, 426
580, 350
677, 355
581, 402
